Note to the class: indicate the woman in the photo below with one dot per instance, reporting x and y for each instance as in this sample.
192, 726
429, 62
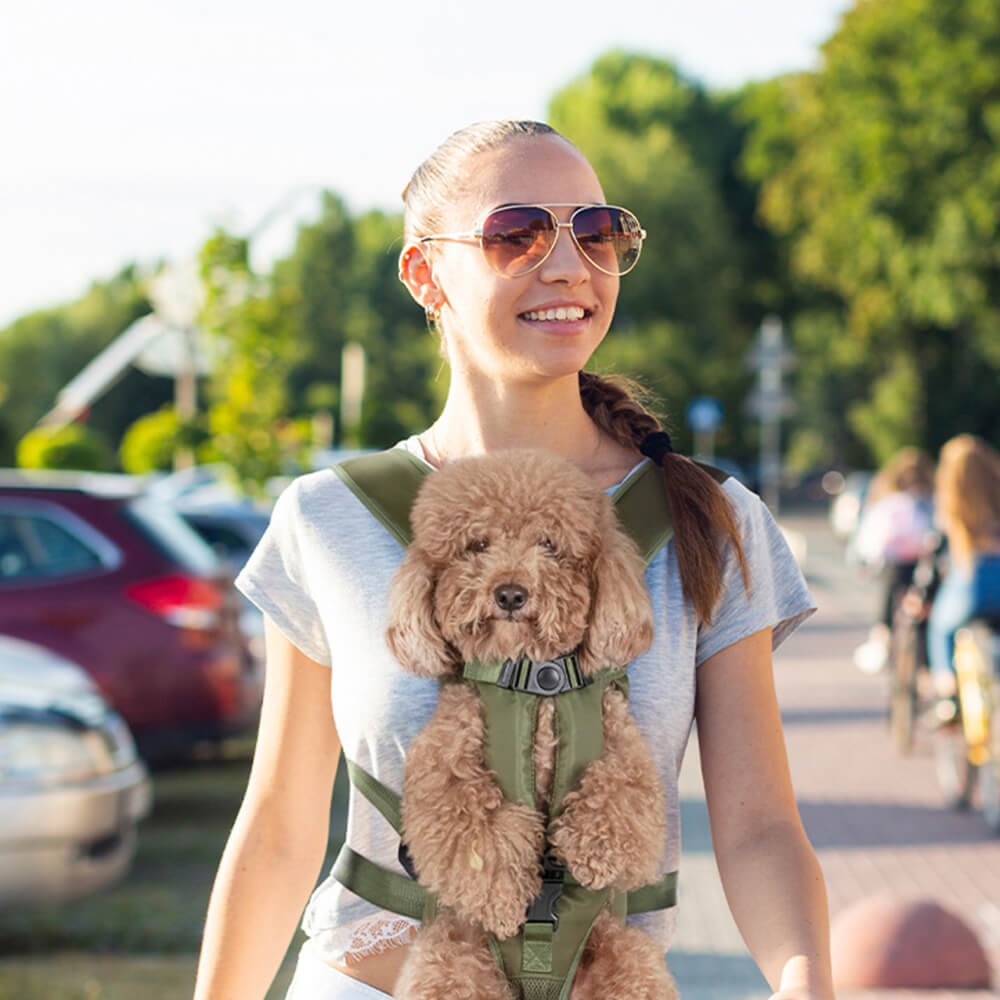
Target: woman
517, 327
896, 530
967, 501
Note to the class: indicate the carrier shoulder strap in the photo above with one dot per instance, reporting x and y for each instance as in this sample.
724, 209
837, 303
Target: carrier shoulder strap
386, 482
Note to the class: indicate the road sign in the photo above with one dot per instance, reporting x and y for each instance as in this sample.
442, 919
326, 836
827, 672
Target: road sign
704, 415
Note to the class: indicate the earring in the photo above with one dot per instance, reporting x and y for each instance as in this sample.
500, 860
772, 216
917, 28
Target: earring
433, 312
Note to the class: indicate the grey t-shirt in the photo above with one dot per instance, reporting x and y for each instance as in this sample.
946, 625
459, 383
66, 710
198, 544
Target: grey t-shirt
322, 573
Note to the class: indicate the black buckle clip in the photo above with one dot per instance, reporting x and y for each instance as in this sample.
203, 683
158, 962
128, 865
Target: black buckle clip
544, 677
542, 908
406, 861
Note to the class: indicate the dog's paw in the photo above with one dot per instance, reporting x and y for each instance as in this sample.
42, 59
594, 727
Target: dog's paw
603, 846
496, 873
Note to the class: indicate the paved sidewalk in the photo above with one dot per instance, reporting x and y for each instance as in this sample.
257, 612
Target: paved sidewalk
875, 819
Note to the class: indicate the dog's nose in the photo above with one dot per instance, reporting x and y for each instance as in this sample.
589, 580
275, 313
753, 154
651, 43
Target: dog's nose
510, 596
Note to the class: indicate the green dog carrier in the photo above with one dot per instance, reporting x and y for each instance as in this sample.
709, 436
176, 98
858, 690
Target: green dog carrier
540, 961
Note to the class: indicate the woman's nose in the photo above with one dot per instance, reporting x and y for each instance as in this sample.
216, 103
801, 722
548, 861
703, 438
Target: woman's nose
565, 262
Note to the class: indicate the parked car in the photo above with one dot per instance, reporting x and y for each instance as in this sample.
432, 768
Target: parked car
72, 788
97, 570
233, 529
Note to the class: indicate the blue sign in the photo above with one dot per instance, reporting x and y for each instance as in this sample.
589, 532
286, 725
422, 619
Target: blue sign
704, 415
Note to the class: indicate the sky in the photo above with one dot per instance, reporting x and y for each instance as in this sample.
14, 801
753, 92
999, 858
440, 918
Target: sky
131, 129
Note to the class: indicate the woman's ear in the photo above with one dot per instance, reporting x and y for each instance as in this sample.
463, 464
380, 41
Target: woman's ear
621, 614
413, 634
416, 272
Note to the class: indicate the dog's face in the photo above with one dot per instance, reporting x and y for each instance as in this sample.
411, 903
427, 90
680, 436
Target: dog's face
516, 553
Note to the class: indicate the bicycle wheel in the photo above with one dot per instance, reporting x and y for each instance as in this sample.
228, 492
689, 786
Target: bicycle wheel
989, 774
956, 775
904, 656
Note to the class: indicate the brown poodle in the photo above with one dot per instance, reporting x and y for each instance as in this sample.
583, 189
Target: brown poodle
519, 553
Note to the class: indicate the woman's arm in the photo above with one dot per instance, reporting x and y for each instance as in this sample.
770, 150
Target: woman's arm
769, 871
279, 839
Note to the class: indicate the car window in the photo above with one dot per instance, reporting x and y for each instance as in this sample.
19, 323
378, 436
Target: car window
33, 546
173, 536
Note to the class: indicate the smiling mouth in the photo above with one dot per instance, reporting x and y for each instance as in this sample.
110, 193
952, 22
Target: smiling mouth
563, 314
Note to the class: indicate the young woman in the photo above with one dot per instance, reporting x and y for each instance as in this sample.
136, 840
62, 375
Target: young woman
518, 320
896, 529
967, 499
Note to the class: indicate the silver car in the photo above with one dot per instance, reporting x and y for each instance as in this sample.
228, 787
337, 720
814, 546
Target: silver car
72, 789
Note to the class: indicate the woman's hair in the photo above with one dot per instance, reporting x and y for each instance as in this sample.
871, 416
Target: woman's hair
703, 518
910, 470
441, 177
968, 494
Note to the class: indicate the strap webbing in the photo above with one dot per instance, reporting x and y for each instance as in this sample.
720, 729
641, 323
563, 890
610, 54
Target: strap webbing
382, 888
655, 896
384, 799
386, 483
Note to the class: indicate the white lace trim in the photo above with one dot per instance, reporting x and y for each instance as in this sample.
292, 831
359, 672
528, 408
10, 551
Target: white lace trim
370, 936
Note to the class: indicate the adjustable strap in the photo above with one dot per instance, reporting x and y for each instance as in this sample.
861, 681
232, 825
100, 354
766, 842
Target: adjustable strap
384, 799
386, 483
655, 896
382, 888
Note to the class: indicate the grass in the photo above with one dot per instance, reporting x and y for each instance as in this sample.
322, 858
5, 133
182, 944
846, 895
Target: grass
141, 937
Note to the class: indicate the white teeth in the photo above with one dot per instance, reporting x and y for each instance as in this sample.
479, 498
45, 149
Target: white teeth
562, 313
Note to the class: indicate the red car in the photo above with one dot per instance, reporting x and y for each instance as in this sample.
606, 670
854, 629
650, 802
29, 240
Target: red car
114, 580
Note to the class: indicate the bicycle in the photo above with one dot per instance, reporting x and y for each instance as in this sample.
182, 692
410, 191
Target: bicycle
908, 651
968, 754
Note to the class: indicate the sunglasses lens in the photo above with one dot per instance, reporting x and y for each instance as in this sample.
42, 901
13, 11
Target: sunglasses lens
610, 238
516, 239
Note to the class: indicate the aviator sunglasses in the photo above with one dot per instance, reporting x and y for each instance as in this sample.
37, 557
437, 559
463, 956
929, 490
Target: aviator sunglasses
516, 239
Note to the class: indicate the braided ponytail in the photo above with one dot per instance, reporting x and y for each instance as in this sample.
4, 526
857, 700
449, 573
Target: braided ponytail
702, 515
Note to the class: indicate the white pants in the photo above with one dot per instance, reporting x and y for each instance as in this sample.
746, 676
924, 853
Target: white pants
315, 980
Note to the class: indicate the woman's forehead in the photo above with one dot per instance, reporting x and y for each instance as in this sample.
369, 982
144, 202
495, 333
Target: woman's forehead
533, 170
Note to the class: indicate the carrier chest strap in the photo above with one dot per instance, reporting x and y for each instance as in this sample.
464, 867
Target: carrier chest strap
388, 890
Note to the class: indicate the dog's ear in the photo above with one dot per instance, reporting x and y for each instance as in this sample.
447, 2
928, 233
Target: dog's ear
621, 614
413, 634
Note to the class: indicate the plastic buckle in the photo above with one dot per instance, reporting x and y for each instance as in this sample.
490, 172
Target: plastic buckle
406, 861
542, 908
544, 677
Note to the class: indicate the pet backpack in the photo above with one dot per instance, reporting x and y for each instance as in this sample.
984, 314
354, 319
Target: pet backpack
540, 961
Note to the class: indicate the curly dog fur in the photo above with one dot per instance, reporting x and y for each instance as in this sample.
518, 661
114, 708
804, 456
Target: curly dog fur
520, 553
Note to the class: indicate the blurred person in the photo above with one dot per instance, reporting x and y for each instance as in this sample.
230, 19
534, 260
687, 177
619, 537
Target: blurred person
512, 252
895, 530
967, 500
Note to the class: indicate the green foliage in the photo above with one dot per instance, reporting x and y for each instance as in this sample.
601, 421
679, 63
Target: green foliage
659, 144
150, 443
884, 175
69, 447
42, 351
248, 412
340, 285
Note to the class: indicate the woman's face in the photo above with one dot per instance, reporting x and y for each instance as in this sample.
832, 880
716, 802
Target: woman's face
493, 325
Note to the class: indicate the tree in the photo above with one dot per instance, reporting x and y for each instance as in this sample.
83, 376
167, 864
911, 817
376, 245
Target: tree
662, 146
886, 183
248, 416
42, 351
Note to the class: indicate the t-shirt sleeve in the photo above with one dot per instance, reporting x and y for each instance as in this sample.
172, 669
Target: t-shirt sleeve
778, 597
276, 579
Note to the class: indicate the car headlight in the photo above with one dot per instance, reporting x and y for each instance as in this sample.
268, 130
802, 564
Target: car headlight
49, 753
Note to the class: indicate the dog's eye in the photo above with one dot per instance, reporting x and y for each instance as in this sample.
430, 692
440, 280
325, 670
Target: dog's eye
478, 545
548, 546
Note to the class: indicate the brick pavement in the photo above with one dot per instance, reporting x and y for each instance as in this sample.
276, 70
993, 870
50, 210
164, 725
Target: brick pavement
875, 819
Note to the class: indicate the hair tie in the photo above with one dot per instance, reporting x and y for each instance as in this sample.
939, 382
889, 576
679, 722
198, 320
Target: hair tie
656, 446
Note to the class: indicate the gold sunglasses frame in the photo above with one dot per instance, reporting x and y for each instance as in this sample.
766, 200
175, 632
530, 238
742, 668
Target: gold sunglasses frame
477, 235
